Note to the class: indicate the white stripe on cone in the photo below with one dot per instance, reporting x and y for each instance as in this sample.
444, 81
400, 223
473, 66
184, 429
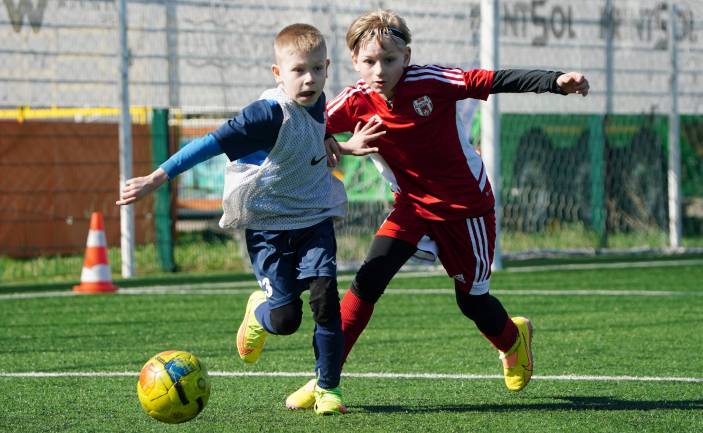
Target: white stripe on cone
96, 274
96, 238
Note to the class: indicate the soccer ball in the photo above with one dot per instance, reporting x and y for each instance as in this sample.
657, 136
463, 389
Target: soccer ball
173, 386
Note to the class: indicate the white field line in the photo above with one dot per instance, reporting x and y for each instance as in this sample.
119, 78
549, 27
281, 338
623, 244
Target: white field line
208, 290
392, 376
429, 291
221, 288
614, 265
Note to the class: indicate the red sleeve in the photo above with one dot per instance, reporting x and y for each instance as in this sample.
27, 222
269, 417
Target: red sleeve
453, 83
339, 118
478, 83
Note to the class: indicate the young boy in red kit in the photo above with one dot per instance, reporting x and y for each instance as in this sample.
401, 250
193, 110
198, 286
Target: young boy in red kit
440, 183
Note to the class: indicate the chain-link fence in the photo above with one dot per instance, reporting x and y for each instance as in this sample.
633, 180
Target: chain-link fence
592, 173
576, 173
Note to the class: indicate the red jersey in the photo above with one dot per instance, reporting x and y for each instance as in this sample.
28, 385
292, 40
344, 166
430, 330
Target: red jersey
437, 171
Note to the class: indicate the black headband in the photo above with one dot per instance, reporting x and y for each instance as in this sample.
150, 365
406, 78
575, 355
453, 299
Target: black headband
398, 34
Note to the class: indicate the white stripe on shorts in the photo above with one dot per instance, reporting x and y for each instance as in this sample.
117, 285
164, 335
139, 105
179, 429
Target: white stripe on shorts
469, 226
479, 243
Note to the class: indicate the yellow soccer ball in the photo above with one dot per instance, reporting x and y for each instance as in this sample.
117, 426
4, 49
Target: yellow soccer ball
173, 386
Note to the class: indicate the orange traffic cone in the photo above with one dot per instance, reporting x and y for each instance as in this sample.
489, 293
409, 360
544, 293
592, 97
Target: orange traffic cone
96, 276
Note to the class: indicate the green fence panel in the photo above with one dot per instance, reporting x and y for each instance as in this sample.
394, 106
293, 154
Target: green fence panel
162, 200
596, 150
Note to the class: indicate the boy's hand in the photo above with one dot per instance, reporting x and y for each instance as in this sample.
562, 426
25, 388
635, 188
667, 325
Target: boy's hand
137, 187
333, 152
573, 82
358, 143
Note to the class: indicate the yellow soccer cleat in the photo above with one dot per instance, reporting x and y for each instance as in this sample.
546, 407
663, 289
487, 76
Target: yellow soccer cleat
303, 398
251, 336
329, 401
517, 362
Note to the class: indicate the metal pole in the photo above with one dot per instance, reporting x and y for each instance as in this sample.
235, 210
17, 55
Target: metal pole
599, 130
490, 114
674, 163
125, 134
337, 51
610, 29
172, 53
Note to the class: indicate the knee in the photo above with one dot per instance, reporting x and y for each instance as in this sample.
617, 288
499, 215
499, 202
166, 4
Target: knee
324, 300
285, 320
471, 305
370, 281
386, 256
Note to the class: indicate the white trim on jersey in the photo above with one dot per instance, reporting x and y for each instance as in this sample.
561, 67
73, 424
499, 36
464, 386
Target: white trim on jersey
338, 101
432, 69
484, 177
430, 76
385, 171
359, 85
473, 160
447, 75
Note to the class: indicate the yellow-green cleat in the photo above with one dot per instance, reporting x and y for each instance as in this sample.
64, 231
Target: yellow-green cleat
303, 398
251, 336
517, 362
329, 401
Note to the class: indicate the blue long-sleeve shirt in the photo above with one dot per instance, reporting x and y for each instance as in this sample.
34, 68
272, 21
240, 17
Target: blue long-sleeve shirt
247, 137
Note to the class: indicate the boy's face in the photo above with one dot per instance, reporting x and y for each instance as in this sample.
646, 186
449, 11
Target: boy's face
303, 75
381, 65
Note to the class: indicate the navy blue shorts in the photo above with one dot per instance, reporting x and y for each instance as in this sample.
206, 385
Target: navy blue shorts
283, 258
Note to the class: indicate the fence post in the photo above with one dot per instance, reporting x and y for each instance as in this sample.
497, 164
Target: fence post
127, 240
490, 114
674, 162
163, 220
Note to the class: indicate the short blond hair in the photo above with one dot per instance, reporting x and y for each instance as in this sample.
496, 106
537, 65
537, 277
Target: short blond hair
376, 25
299, 38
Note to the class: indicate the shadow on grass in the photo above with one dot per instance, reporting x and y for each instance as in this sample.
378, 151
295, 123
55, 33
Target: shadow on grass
566, 403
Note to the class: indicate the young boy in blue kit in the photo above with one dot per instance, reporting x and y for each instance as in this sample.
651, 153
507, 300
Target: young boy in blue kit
279, 188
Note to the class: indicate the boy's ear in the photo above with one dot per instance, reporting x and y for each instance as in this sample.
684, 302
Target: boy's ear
276, 71
406, 56
327, 67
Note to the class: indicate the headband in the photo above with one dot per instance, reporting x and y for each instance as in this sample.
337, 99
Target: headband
398, 34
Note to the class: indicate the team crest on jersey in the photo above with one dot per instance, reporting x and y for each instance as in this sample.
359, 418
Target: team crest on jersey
423, 106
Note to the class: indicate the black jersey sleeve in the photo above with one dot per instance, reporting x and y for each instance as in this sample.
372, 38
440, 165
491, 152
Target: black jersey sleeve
524, 80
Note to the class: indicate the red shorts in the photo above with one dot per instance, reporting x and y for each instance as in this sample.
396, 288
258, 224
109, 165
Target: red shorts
465, 246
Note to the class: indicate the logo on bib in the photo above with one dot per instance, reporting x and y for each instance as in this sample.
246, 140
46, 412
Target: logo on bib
314, 161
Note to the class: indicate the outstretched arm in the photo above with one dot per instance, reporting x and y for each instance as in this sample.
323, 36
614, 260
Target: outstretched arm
193, 153
521, 81
255, 129
138, 187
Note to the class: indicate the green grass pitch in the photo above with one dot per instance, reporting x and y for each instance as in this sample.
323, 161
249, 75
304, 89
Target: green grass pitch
616, 350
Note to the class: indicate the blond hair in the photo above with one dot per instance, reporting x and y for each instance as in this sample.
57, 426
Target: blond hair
300, 38
376, 25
